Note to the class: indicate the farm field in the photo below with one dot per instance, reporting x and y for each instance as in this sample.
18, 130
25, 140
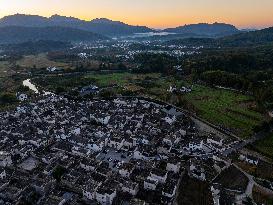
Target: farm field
5, 69
226, 108
39, 61
265, 146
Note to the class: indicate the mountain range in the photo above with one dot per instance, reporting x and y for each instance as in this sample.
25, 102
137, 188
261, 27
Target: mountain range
21, 28
252, 38
211, 30
244, 39
20, 34
100, 26
111, 28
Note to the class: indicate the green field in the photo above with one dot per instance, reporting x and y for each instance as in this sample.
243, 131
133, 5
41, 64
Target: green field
265, 146
227, 108
121, 79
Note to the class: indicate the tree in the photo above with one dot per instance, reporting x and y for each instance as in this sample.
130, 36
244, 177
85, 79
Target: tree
158, 63
7, 98
121, 66
59, 90
58, 173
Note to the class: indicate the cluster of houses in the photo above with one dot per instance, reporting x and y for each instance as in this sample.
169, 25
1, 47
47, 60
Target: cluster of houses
21, 96
58, 151
126, 50
84, 55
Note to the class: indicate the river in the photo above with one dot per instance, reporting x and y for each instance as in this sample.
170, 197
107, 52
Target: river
31, 86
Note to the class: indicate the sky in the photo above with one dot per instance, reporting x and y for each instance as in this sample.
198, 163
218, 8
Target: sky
152, 13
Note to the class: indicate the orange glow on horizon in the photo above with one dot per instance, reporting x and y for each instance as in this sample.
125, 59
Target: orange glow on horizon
152, 13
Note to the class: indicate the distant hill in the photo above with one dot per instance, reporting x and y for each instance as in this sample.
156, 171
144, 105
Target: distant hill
100, 26
208, 30
24, 20
34, 47
109, 27
251, 38
16, 34
244, 39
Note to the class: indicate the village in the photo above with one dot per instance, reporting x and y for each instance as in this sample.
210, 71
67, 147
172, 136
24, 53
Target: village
127, 49
55, 150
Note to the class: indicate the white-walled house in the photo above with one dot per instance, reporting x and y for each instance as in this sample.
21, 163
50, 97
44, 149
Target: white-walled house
126, 169
215, 194
97, 146
169, 190
105, 196
106, 192
159, 175
196, 145
102, 120
213, 139
173, 166
89, 190
116, 142
88, 194
249, 159
145, 153
150, 183
130, 187
172, 89
3, 173
197, 171
128, 144
88, 165
5, 159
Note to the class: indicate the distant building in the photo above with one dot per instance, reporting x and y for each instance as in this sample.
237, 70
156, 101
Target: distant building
249, 159
53, 69
91, 89
21, 97
172, 89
